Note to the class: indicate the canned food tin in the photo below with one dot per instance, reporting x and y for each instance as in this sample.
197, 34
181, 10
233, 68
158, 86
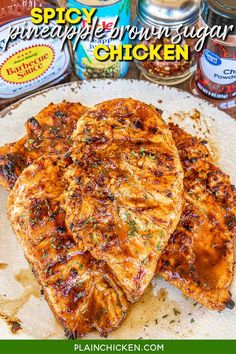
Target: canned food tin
86, 65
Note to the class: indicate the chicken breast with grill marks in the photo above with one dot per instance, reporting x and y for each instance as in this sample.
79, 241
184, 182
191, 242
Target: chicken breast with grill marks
47, 133
199, 256
125, 189
81, 291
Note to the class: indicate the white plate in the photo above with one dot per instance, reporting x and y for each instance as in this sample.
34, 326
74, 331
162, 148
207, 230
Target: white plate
19, 292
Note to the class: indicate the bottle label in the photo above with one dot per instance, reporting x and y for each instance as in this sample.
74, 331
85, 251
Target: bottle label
218, 70
86, 65
27, 65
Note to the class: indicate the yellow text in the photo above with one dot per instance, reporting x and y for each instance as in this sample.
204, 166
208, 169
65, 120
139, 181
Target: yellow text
61, 15
141, 52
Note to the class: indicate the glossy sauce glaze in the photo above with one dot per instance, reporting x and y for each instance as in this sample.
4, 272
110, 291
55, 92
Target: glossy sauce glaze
47, 133
199, 256
124, 195
81, 291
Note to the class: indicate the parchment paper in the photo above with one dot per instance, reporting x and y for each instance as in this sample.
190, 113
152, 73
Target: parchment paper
163, 312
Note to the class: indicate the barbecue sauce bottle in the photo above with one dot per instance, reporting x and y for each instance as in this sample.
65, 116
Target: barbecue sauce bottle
216, 70
28, 65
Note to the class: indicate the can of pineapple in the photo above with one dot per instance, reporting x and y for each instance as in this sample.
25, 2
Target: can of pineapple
86, 65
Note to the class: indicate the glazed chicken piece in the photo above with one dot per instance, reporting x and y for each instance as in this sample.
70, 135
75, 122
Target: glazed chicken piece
199, 256
81, 291
47, 133
125, 189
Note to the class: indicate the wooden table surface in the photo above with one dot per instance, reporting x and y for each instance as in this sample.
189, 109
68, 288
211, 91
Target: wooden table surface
134, 73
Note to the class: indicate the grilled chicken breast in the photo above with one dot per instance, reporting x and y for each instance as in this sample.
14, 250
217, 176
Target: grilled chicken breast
125, 189
47, 133
81, 291
199, 256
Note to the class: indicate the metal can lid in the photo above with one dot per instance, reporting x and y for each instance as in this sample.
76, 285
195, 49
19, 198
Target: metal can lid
170, 13
219, 12
226, 7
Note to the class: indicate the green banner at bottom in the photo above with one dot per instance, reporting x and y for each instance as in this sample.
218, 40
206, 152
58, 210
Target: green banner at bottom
117, 346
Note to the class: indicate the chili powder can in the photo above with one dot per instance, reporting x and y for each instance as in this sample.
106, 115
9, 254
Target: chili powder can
216, 69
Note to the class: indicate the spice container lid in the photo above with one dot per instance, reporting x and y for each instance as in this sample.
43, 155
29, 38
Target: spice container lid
219, 12
170, 13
